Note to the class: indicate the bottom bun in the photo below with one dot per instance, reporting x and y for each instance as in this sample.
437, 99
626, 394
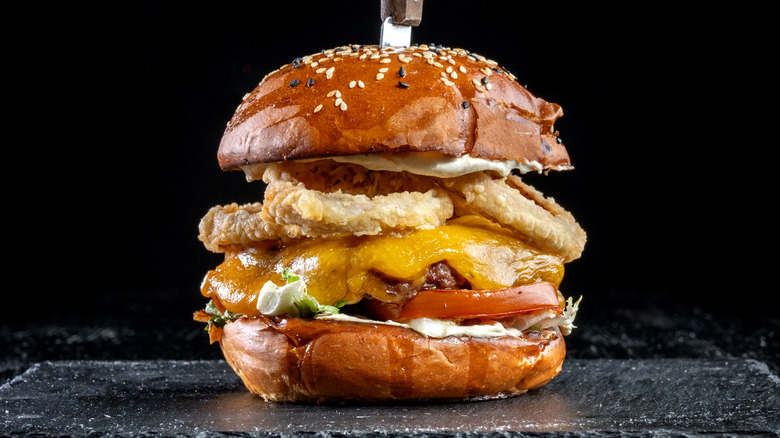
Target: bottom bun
305, 360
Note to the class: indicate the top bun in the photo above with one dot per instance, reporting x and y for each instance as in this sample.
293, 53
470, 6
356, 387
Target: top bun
364, 99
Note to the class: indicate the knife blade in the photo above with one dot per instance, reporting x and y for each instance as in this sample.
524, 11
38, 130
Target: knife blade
398, 18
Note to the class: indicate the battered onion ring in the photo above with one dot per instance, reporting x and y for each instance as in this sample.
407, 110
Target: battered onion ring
235, 224
521, 207
290, 211
289, 202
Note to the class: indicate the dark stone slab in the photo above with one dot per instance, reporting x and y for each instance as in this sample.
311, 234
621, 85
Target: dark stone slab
590, 397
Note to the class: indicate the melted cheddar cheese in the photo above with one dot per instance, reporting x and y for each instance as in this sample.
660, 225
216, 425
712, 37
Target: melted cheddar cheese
351, 267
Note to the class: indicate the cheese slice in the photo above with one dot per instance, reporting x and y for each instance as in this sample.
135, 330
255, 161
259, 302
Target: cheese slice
351, 267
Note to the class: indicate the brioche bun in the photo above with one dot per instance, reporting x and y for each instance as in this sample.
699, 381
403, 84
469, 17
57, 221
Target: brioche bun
350, 101
296, 360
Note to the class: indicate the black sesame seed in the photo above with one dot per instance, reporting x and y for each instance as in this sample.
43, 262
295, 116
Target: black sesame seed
497, 70
296, 62
403, 84
401, 72
465, 104
558, 139
310, 82
294, 82
546, 148
484, 80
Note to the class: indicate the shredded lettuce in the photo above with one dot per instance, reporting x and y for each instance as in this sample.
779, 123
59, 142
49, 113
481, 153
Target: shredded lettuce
218, 318
291, 299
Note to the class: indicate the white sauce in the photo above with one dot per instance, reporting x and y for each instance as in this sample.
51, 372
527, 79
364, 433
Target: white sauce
436, 164
433, 164
436, 328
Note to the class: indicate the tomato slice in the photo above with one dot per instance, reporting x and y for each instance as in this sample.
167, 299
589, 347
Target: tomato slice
472, 304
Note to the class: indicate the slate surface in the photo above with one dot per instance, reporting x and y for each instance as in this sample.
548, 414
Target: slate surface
590, 397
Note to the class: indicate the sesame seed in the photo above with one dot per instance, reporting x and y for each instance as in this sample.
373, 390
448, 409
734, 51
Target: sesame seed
361, 84
352, 84
338, 93
379, 76
448, 82
314, 64
489, 86
451, 61
323, 59
462, 69
401, 72
383, 70
438, 64
317, 108
320, 70
329, 72
417, 54
448, 70
343, 106
331, 93
403, 84
363, 56
245, 96
310, 82
338, 102
465, 104
486, 71
430, 61
294, 82
374, 56
385, 60
454, 75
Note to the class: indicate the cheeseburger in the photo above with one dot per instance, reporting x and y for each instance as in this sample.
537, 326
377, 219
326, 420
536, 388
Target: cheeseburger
397, 254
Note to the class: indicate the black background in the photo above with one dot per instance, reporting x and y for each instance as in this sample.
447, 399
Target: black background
118, 109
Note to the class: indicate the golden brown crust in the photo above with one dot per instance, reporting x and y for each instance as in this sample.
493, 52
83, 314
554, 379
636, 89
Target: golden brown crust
447, 100
300, 360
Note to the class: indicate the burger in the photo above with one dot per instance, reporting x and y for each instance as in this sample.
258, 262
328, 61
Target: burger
396, 253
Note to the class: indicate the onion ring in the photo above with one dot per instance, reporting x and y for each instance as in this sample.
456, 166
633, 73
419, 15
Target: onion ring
291, 210
318, 213
521, 207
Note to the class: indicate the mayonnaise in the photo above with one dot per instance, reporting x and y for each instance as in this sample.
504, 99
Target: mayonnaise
433, 164
436, 164
436, 328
